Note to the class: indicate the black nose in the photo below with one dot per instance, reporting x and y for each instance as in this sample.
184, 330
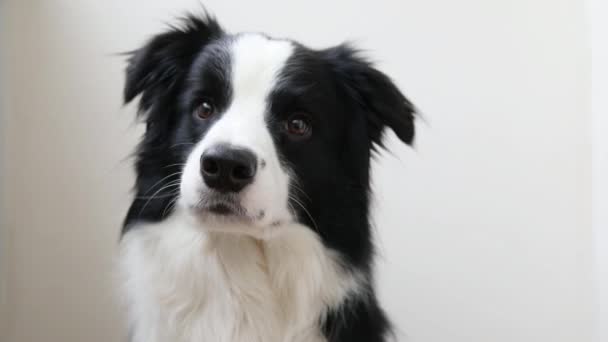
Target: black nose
228, 169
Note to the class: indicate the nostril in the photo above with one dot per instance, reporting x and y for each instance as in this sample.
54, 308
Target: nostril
242, 172
210, 166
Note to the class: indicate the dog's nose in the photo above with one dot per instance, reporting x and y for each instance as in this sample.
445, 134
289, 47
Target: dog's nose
227, 168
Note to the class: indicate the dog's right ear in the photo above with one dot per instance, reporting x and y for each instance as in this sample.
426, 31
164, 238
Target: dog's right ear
157, 68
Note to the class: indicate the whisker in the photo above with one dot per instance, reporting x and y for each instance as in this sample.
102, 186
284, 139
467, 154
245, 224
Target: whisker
160, 181
171, 165
171, 194
307, 213
169, 207
296, 187
293, 210
295, 184
153, 196
174, 185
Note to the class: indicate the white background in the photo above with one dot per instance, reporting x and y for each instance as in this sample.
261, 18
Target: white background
484, 229
597, 12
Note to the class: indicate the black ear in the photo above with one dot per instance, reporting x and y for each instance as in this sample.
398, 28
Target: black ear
156, 69
375, 93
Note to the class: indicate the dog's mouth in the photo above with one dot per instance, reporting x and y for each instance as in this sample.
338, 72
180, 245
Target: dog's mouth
221, 205
221, 209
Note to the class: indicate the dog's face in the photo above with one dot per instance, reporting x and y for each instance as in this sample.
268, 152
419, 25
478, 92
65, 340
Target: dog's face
248, 132
234, 173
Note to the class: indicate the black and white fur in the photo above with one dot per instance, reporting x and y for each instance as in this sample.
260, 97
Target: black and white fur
289, 256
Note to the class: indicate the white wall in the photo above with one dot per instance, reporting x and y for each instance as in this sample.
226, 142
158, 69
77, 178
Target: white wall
484, 229
597, 12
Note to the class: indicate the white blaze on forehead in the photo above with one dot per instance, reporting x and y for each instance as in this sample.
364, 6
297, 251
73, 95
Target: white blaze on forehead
256, 63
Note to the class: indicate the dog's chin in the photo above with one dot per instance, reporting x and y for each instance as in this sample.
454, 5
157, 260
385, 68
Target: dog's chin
226, 215
223, 212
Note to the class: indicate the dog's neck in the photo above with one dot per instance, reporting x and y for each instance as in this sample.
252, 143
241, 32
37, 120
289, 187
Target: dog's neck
228, 287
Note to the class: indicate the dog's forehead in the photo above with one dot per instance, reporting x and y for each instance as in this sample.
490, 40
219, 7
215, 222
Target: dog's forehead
256, 63
253, 71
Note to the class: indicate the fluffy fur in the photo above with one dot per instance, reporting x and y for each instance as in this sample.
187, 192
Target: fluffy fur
188, 286
289, 256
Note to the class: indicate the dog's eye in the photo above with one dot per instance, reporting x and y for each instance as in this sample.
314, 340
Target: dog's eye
205, 110
299, 125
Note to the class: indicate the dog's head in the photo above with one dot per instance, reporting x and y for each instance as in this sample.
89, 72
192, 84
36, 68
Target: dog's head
246, 132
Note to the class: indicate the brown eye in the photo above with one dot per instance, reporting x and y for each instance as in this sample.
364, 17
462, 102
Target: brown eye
299, 125
205, 110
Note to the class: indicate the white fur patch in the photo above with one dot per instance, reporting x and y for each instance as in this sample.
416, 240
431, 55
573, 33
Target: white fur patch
186, 284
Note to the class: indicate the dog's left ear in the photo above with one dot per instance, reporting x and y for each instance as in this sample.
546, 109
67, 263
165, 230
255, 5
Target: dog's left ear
382, 102
156, 69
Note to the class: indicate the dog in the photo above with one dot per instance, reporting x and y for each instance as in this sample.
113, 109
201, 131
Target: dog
250, 220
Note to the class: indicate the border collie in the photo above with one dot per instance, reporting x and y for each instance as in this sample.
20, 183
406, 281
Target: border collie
250, 221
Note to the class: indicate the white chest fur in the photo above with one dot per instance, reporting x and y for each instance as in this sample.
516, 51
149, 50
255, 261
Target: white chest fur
186, 285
